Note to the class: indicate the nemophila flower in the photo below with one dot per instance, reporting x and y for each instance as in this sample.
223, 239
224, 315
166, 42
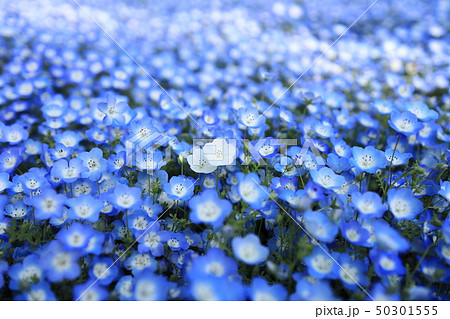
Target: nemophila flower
327, 178
124, 197
397, 158
208, 208
405, 123
14, 134
403, 203
354, 233
48, 204
384, 106
208, 288
249, 249
26, 273
150, 287
32, 147
368, 159
198, 162
10, 159
90, 292
116, 162
386, 263
94, 163
137, 262
68, 138
352, 272
103, 270
297, 199
58, 263
319, 226
387, 238
68, 171
434, 270
4, 181
219, 152
260, 290
3, 269
214, 263
4, 223
138, 220
175, 241
152, 210
85, 207
96, 135
37, 292
60, 151
368, 204
251, 191
445, 190
76, 237
422, 111
250, 117
151, 240
337, 164
124, 288
180, 187
17, 210
113, 110
312, 291
320, 265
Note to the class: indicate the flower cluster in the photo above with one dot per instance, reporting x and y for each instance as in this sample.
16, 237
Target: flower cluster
196, 171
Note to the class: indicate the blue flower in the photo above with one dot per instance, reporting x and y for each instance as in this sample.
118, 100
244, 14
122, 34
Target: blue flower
386, 263
150, 287
352, 272
103, 270
175, 241
368, 204
403, 204
76, 237
68, 171
397, 158
116, 162
249, 249
37, 292
90, 292
250, 117
368, 159
320, 265
14, 134
250, 190
94, 163
260, 290
151, 240
113, 110
4, 181
445, 190
137, 262
85, 207
26, 273
208, 208
213, 263
58, 263
180, 187
124, 288
327, 178
421, 110
319, 226
124, 197
10, 159
48, 204
387, 238
354, 233
405, 123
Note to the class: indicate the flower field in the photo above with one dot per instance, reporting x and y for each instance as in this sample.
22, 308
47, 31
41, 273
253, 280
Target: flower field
224, 150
